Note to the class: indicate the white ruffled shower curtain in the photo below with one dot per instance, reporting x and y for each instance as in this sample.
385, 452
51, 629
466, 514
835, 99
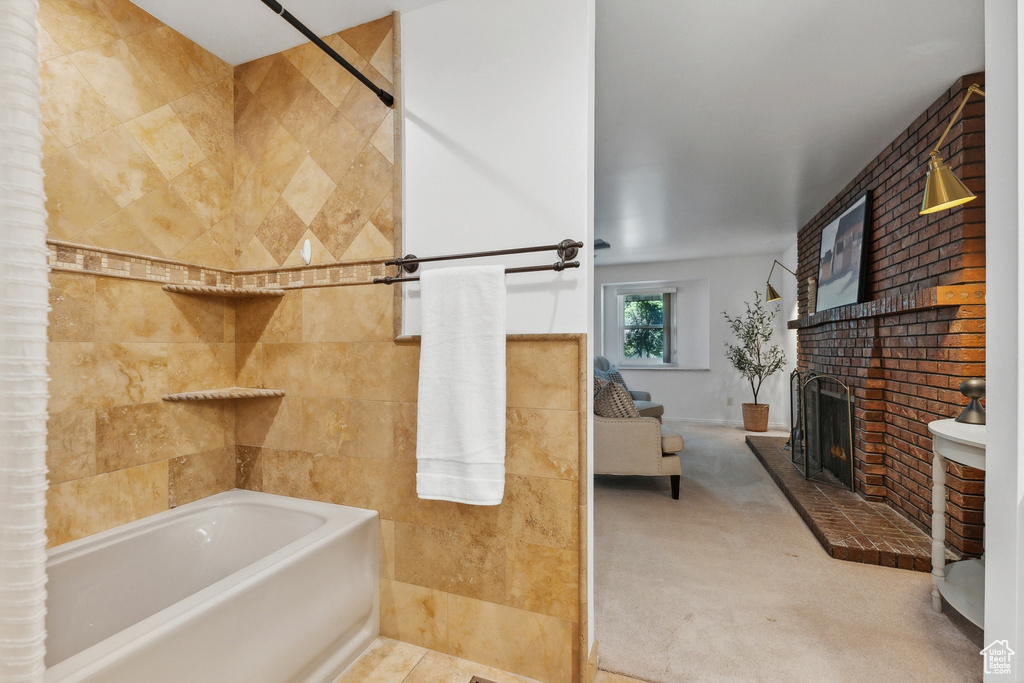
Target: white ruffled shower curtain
23, 313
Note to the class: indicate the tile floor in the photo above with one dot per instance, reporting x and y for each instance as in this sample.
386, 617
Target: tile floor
392, 661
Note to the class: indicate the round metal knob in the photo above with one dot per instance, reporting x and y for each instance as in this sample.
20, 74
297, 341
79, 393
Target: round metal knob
973, 389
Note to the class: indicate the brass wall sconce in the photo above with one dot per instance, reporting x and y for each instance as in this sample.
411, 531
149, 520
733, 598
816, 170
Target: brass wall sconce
942, 189
770, 294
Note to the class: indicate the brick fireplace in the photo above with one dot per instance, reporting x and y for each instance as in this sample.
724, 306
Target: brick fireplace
922, 329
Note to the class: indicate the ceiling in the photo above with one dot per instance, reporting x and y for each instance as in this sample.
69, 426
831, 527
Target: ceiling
722, 126
240, 31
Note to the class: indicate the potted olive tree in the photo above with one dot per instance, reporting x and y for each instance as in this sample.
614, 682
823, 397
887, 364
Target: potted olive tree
753, 356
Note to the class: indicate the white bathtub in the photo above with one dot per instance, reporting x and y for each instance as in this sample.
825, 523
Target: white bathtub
240, 586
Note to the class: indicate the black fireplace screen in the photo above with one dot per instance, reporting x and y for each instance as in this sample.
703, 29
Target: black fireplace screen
796, 418
822, 437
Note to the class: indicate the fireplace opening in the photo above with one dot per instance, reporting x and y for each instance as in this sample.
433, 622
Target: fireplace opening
821, 441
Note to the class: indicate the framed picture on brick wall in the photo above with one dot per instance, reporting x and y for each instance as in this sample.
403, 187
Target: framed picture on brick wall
842, 267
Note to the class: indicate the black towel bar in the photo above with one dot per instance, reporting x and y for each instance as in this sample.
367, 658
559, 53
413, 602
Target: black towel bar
567, 249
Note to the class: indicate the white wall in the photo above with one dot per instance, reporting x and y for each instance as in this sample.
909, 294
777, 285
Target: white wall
788, 306
589, 263
497, 115
1004, 475
689, 339
701, 395
499, 153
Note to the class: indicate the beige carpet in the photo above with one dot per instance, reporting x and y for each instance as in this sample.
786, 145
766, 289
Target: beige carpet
728, 584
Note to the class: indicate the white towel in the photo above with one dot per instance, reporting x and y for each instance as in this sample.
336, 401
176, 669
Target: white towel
460, 427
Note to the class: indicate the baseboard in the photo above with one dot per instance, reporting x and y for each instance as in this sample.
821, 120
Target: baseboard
780, 426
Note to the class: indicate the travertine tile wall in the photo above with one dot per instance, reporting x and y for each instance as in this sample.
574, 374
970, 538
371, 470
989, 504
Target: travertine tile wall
498, 585
116, 452
137, 132
310, 156
315, 152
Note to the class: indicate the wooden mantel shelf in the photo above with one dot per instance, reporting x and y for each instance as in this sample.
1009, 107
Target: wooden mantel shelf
923, 299
223, 394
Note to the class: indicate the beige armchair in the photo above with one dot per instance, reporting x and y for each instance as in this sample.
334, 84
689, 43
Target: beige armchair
637, 446
641, 399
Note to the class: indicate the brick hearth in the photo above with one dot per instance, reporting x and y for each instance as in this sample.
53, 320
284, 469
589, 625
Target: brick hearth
847, 526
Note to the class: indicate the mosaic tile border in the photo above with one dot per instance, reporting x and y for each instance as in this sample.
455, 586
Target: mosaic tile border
78, 258
319, 275
65, 256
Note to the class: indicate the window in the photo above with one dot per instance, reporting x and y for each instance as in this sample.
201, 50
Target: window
655, 325
646, 325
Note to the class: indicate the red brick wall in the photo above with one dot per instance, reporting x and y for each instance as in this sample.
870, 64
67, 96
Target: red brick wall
923, 332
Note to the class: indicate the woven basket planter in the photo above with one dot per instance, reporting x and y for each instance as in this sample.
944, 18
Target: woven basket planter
755, 417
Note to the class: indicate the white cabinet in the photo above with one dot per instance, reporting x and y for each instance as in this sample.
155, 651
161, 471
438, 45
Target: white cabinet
962, 584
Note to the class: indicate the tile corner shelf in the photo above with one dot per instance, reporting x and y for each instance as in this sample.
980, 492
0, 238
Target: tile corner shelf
223, 394
228, 292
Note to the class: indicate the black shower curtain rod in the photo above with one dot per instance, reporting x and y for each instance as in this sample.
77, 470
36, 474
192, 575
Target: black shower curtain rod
384, 96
